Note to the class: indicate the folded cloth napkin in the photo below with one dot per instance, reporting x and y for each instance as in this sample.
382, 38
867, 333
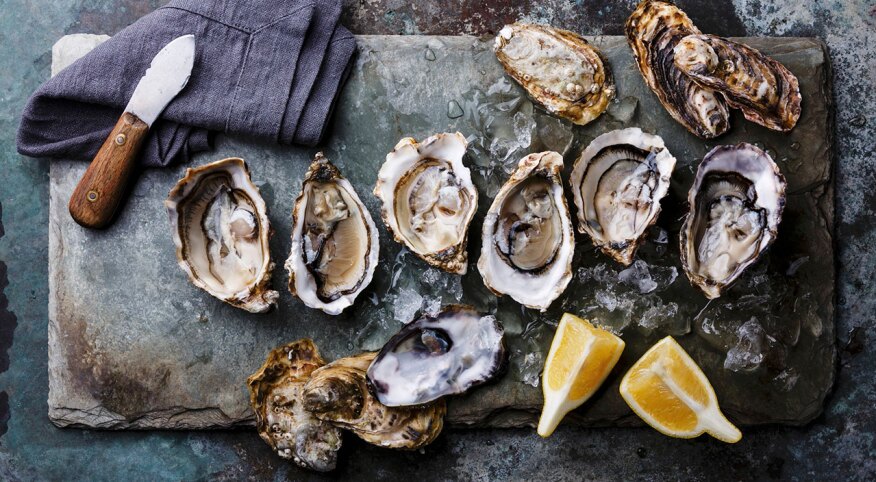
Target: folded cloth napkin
269, 69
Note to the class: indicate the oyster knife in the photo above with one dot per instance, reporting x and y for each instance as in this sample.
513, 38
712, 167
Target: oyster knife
97, 196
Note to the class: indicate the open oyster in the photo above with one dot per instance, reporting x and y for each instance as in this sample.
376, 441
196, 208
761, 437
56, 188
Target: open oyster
428, 199
617, 183
338, 393
438, 354
765, 91
527, 241
276, 392
221, 231
653, 30
736, 203
334, 241
558, 69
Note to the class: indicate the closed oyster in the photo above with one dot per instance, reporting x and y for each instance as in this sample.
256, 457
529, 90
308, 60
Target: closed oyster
437, 355
617, 183
558, 69
338, 393
653, 30
276, 392
736, 204
527, 240
334, 241
765, 91
428, 199
221, 231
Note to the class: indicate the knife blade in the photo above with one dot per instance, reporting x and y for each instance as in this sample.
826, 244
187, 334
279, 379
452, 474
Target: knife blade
97, 197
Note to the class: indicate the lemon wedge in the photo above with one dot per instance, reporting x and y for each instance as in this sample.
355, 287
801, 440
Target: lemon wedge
669, 392
580, 358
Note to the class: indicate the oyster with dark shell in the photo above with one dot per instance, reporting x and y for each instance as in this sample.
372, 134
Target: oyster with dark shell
276, 392
653, 30
338, 393
439, 354
763, 89
736, 204
558, 69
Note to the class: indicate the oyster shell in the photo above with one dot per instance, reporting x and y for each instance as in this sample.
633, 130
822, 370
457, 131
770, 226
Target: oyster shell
617, 183
437, 355
428, 199
527, 240
558, 69
765, 91
220, 228
338, 393
653, 30
736, 204
276, 392
334, 241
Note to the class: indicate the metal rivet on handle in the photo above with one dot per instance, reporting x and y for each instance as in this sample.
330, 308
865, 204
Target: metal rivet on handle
120, 139
92, 196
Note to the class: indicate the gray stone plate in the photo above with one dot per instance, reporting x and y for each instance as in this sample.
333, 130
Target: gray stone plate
133, 345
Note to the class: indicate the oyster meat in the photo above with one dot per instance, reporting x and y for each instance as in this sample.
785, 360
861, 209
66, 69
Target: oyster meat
220, 228
765, 91
736, 204
617, 183
276, 392
527, 240
334, 241
437, 355
428, 199
338, 393
653, 30
558, 69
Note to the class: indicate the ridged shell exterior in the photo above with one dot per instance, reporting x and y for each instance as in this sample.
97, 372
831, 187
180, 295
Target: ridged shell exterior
338, 393
564, 45
653, 30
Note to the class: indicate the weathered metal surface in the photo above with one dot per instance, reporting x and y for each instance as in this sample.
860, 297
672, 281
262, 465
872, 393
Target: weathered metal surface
839, 444
134, 345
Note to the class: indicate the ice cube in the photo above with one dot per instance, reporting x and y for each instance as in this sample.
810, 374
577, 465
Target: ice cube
530, 368
752, 346
638, 276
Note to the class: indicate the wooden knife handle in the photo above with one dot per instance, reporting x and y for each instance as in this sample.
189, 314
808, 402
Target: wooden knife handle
102, 187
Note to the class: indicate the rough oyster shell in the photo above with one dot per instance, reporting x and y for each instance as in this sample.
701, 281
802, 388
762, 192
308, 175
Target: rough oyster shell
220, 228
653, 30
736, 204
558, 69
437, 355
338, 393
334, 241
765, 91
276, 392
617, 183
428, 199
527, 239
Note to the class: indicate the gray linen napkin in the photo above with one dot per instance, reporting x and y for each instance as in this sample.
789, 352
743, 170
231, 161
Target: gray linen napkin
259, 71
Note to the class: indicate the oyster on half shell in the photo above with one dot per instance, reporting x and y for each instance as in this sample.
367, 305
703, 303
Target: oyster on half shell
558, 68
334, 241
338, 393
527, 241
765, 90
438, 354
617, 183
736, 204
653, 30
276, 392
428, 199
220, 228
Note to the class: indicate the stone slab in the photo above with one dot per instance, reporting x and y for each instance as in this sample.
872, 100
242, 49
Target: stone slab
133, 345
